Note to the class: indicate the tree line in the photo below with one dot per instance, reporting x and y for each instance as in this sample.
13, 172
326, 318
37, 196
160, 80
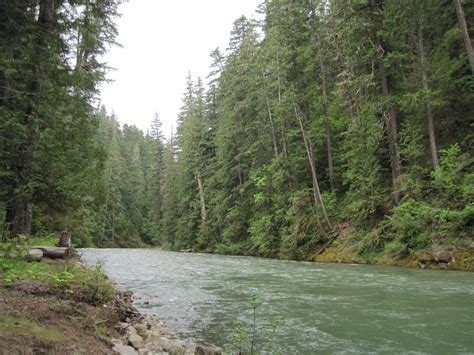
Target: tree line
323, 117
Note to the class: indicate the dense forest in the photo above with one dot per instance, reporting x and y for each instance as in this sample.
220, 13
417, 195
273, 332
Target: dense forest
342, 121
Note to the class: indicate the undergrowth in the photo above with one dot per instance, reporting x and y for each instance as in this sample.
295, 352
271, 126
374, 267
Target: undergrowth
65, 278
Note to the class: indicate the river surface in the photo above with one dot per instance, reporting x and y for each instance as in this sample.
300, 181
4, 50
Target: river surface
317, 308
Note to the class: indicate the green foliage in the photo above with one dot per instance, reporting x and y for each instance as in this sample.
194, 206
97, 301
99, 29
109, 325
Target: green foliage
252, 337
348, 76
67, 279
449, 179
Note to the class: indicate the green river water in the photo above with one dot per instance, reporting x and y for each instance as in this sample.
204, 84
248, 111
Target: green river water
319, 308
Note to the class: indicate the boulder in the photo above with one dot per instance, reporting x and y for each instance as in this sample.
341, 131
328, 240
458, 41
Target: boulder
140, 327
424, 256
175, 348
207, 350
129, 330
124, 350
165, 343
443, 257
136, 341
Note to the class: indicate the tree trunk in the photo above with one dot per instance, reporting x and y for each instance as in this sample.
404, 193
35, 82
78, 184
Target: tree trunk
278, 74
391, 123
318, 199
465, 32
65, 240
22, 216
201, 197
345, 79
22, 211
272, 126
429, 110
327, 127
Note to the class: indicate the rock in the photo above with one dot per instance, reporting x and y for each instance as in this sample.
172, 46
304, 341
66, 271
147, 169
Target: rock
116, 342
130, 330
145, 351
165, 343
207, 350
34, 255
443, 257
124, 350
140, 327
424, 256
175, 348
136, 341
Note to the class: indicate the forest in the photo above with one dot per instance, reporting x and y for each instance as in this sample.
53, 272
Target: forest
325, 122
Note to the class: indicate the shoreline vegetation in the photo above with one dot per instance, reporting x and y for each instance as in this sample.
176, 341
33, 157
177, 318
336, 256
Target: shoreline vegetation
335, 131
327, 130
63, 306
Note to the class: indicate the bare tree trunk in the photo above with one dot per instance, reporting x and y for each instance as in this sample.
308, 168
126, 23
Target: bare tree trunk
429, 110
65, 239
278, 74
347, 92
318, 199
326, 120
272, 126
391, 122
465, 32
201, 197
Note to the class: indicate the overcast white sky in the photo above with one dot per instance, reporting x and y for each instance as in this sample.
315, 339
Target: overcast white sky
163, 40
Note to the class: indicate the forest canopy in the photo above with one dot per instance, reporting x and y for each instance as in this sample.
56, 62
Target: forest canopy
343, 121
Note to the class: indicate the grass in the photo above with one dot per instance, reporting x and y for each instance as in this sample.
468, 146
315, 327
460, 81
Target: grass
11, 326
64, 277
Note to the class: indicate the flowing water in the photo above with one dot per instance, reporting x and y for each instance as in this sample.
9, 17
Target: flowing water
325, 308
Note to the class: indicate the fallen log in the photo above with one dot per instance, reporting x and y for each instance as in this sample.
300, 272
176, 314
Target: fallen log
54, 252
34, 255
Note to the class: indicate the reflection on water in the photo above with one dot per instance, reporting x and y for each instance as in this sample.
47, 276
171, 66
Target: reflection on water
326, 308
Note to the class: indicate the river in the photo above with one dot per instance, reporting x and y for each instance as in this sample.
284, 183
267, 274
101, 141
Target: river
302, 308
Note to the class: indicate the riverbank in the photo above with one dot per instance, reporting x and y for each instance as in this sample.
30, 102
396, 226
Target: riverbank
64, 307
346, 249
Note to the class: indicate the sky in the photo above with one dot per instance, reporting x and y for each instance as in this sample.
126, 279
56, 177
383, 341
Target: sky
162, 41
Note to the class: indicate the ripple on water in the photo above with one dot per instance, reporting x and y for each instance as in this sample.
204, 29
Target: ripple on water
329, 308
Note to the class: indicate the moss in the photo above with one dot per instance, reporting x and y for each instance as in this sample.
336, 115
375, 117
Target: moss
338, 254
345, 253
15, 326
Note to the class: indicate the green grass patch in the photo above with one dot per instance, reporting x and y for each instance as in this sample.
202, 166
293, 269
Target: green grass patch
65, 278
15, 326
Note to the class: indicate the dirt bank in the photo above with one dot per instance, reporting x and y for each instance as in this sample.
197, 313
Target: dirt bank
35, 323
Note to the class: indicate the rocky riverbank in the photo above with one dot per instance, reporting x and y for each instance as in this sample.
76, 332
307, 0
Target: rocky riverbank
64, 307
149, 335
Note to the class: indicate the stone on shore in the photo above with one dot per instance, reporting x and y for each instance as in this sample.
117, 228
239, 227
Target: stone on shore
207, 350
136, 341
124, 349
